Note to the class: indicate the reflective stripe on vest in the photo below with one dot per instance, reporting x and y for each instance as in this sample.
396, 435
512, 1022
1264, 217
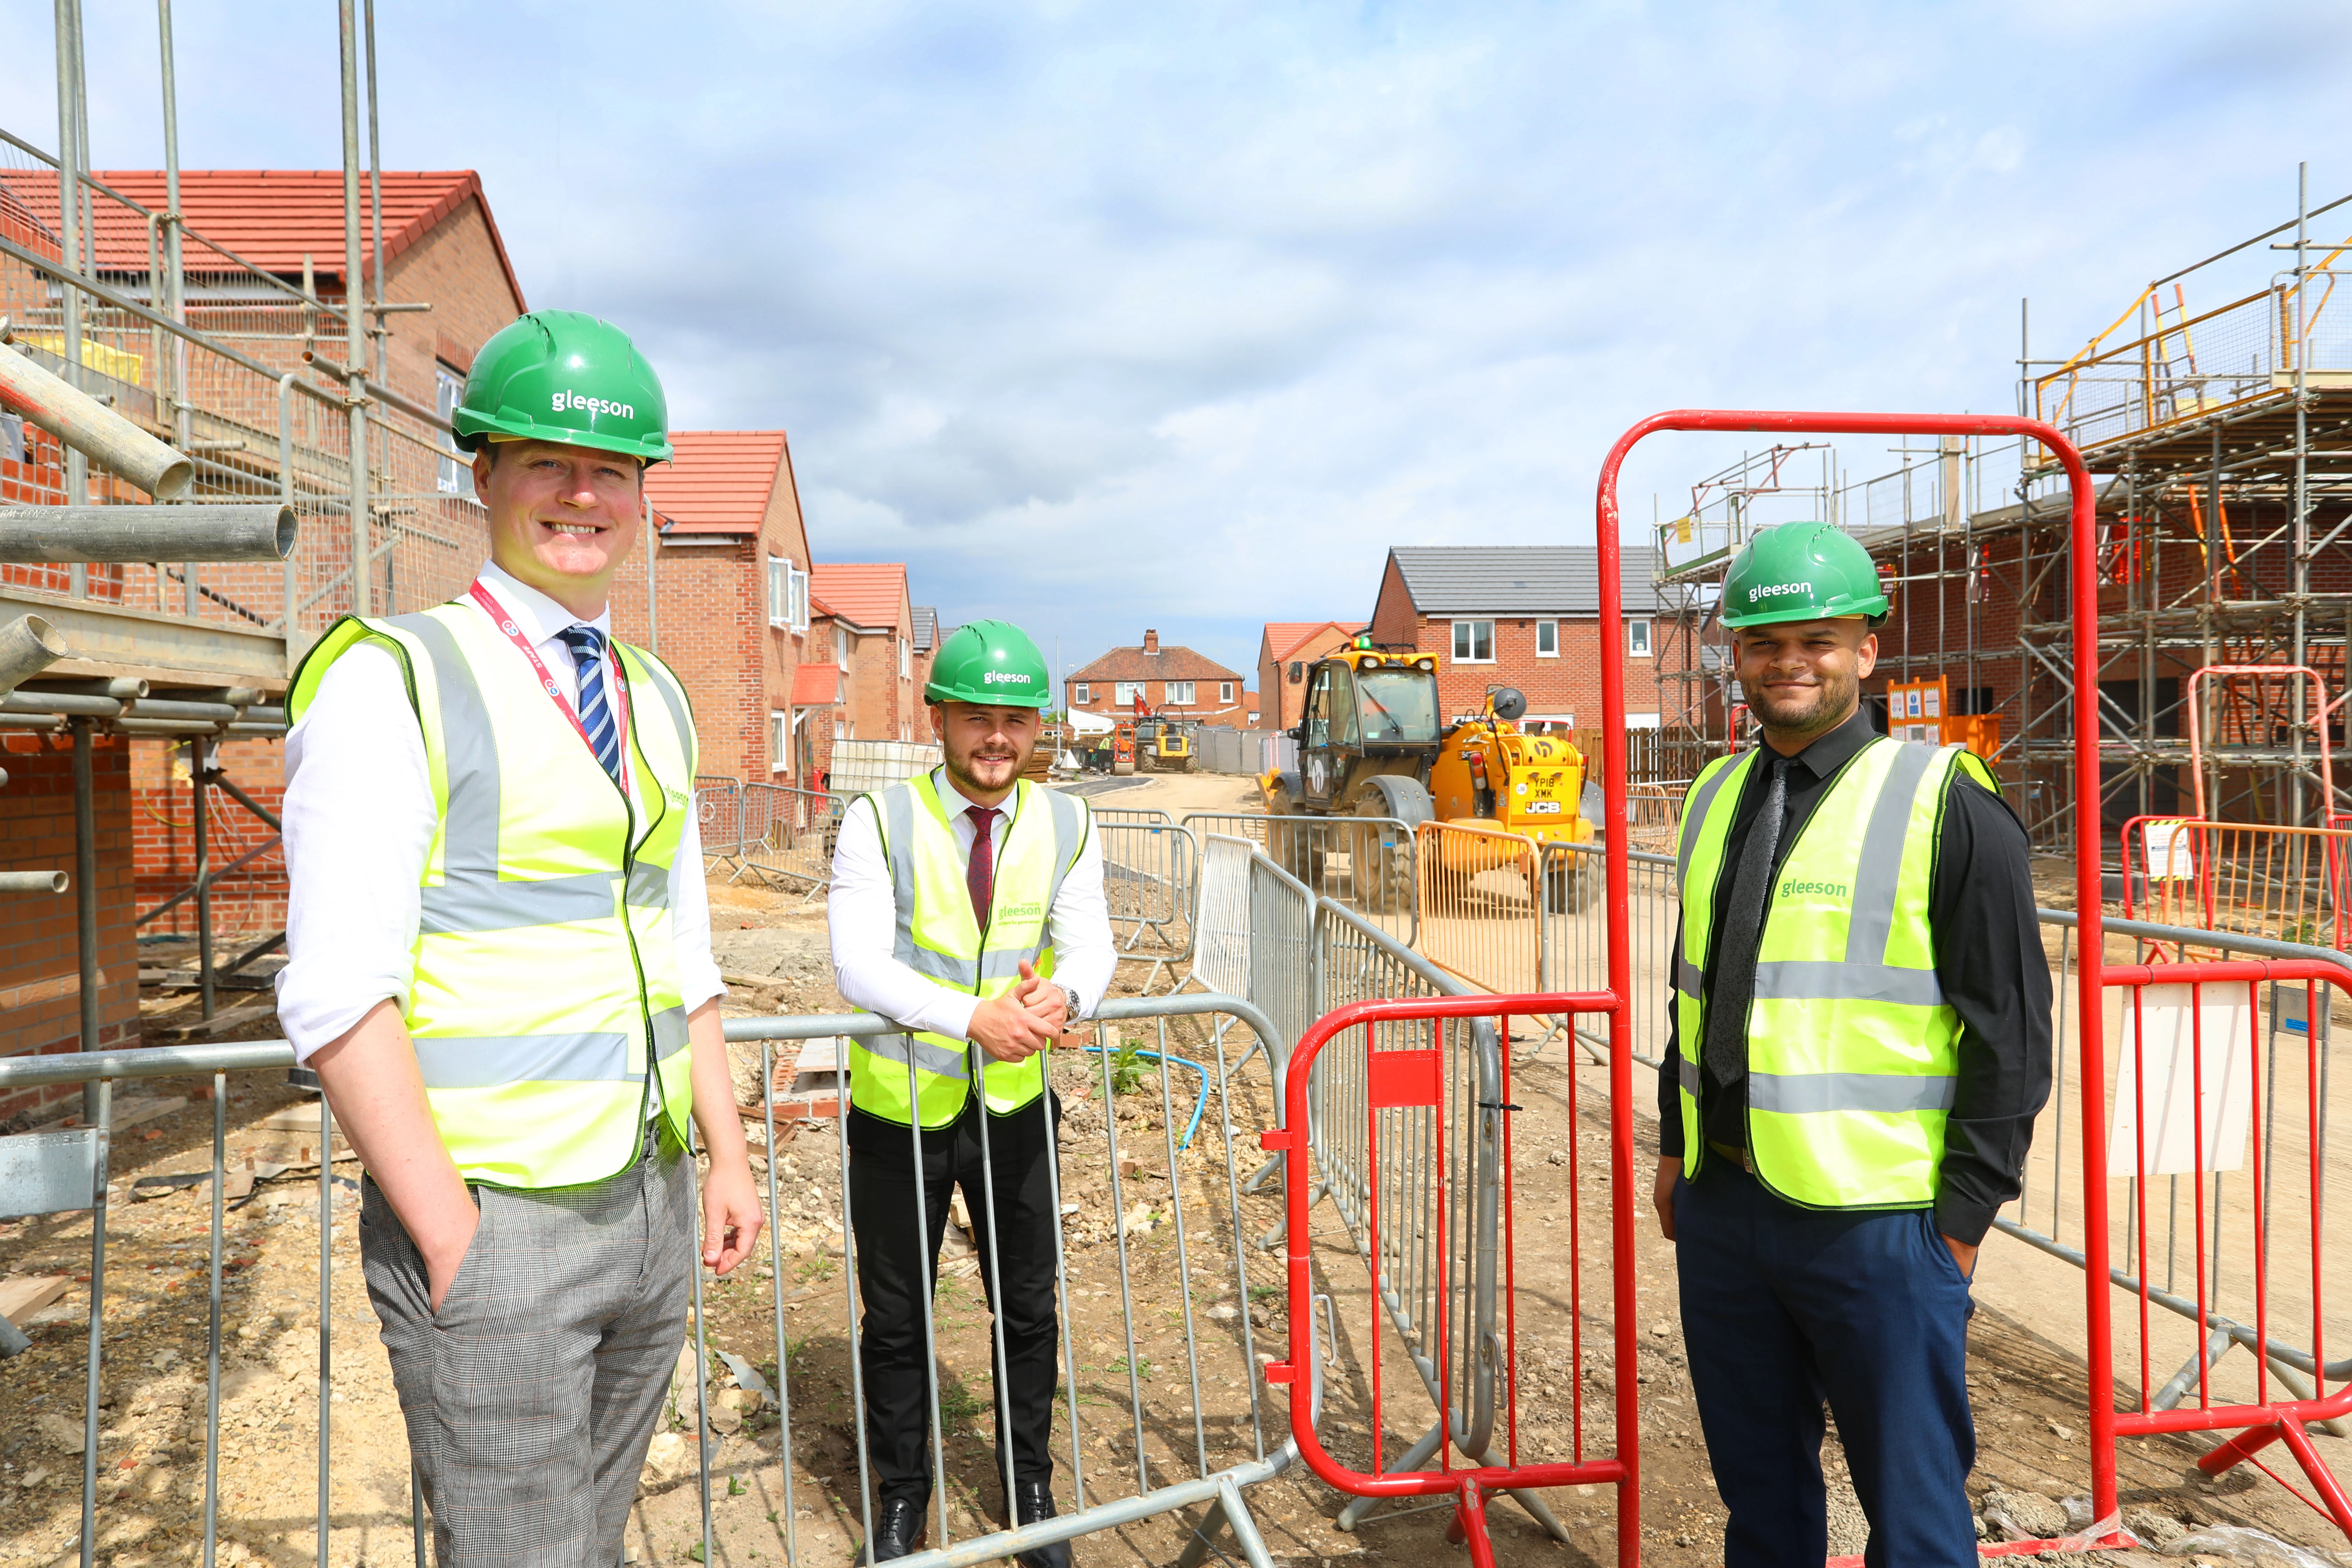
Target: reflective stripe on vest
1852, 1048
902, 1077
545, 980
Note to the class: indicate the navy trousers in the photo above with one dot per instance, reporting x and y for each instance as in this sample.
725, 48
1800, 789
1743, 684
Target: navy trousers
1785, 1308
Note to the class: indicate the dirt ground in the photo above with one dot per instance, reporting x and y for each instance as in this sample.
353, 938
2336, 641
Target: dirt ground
2026, 1376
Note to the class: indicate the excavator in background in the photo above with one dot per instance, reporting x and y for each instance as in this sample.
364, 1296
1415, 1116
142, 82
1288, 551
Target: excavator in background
1371, 744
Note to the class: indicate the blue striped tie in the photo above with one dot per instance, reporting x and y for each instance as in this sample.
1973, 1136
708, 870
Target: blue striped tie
587, 646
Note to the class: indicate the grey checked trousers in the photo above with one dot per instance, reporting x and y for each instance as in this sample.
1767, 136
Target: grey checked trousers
531, 1395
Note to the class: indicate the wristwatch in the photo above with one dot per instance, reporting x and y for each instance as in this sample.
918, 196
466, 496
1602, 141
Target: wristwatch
1070, 1011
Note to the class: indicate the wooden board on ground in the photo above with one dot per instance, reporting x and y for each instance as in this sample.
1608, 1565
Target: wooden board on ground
22, 1295
294, 1118
235, 1017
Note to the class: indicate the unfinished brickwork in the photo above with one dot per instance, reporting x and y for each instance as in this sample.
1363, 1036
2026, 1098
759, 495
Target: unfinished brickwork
40, 992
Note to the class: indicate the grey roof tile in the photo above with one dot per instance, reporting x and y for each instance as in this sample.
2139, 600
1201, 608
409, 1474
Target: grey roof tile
1521, 580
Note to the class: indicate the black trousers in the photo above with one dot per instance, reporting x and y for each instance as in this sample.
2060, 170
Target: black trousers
898, 1269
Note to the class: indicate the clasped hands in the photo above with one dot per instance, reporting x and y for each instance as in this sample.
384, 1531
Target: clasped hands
1024, 1021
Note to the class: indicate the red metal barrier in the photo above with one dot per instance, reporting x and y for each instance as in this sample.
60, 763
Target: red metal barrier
1407, 1079
2217, 1102
2083, 591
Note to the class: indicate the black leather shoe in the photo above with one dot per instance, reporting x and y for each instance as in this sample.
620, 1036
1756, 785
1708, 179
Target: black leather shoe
1033, 1500
899, 1531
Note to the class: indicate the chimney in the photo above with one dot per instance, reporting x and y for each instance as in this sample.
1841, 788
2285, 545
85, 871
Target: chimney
1150, 641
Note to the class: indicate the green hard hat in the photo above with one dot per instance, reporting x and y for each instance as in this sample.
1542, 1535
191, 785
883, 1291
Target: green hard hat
1800, 571
993, 662
559, 375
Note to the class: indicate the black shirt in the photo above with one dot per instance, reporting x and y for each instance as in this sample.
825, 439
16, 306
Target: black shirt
1988, 961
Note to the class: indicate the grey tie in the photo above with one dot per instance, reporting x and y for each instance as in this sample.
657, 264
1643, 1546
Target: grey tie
1741, 931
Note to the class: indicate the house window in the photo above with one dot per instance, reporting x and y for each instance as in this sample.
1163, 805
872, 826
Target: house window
787, 591
457, 477
1126, 693
780, 741
1637, 639
1179, 692
905, 658
1083, 695
1474, 642
1546, 639
1224, 692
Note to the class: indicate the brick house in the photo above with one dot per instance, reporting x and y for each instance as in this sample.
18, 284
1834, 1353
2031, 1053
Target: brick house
1285, 649
1173, 680
927, 648
1526, 617
729, 558
874, 626
441, 247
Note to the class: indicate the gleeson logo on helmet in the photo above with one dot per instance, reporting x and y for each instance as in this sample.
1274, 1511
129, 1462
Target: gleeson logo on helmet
1003, 678
1769, 590
570, 399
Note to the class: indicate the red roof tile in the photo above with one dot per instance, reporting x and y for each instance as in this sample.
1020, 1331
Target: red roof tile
272, 217
1284, 636
865, 595
815, 684
719, 483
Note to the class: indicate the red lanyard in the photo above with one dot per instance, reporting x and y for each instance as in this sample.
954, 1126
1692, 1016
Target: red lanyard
505, 623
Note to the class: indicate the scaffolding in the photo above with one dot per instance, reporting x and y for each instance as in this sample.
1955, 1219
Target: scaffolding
2223, 437
191, 392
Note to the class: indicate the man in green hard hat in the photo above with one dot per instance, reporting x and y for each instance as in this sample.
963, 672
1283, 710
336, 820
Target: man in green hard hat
967, 906
500, 967
1860, 1041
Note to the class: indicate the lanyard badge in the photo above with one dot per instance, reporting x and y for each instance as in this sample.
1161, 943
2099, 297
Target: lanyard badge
620, 682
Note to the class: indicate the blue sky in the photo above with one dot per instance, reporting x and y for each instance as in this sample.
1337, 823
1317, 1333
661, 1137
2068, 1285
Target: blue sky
1107, 315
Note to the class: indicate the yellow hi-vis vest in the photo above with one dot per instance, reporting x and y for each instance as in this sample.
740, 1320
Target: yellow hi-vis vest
897, 1076
545, 977
1852, 1052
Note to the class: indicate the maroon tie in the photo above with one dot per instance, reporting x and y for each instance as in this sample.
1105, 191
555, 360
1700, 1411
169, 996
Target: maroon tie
980, 876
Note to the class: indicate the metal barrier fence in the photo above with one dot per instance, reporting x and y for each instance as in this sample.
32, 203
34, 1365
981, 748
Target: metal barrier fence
719, 814
1575, 942
1148, 869
1163, 1231
1365, 862
1408, 1124
786, 833
2204, 1196
2291, 884
1482, 894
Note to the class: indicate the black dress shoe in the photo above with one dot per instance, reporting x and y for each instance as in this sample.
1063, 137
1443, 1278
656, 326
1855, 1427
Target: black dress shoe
1033, 1500
898, 1532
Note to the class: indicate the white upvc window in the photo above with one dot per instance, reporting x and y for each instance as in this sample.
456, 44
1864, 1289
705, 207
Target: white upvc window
457, 477
1546, 639
788, 594
780, 741
1179, 691
1637, 639
905, 658
1224, 692
1081, 694
1126, 693
1474, 642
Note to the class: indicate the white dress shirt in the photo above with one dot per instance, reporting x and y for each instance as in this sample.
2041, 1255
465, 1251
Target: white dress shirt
359, 819
862, 916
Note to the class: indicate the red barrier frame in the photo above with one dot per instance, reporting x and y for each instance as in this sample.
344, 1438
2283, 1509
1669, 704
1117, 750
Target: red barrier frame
1402, 1077
2084, 599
